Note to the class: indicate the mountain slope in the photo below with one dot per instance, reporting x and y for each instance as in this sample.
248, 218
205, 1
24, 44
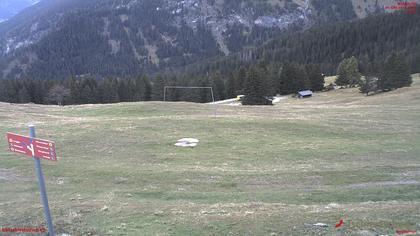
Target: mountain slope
58, 39
371, 40
9, 8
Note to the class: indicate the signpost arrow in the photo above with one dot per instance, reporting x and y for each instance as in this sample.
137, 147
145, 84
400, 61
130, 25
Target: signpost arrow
37, 149
32, 147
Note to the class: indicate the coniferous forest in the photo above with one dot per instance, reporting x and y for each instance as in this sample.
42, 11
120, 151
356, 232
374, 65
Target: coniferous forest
255, 82
370, 40
385, 47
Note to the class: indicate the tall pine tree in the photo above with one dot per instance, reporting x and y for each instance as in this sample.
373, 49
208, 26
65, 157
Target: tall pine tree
348, 73
315, 77
254, 89
231, 86
396, 73
293, 79
158, 87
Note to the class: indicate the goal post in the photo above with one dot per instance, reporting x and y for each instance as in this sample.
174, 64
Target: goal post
185, 87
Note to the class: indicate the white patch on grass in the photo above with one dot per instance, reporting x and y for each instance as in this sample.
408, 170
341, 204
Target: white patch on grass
187, 142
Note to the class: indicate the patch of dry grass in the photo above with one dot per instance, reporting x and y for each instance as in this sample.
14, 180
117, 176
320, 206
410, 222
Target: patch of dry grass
257, 170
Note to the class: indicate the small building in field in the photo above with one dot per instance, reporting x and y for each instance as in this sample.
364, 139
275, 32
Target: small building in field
305, 94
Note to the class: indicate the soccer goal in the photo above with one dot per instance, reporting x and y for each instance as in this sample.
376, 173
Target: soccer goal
166, 88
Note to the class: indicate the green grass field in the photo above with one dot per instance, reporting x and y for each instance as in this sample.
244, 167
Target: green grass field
257, 170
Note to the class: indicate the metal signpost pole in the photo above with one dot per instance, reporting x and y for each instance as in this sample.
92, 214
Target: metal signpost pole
42, 185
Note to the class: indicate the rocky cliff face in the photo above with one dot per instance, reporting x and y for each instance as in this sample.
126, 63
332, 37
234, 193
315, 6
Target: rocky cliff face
120, 37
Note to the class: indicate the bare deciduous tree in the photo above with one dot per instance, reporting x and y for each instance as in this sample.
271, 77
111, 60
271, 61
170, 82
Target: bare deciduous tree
57, 94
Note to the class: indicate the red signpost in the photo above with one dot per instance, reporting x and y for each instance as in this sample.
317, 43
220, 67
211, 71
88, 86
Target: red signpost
37, 149
32, 147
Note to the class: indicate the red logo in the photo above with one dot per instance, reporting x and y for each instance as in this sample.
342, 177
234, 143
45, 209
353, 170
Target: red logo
406, 232
406, 7
341, 223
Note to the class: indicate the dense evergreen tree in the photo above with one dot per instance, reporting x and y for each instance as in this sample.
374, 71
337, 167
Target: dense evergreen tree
158, 87
172, 94
416, 61
108, 91
315, 77
293, 79
24, 96
368, 84
271, 75
3, 92
204, 94
88, 91
348, 73
219, 87
240, 76
396, 73
75, 91
254, 89
230, 86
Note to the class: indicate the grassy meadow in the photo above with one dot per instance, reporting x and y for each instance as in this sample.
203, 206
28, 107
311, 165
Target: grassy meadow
256, 171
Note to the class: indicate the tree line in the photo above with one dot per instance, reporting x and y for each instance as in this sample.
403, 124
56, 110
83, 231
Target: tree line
394, 73
256, 82
86, 90
268, 80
